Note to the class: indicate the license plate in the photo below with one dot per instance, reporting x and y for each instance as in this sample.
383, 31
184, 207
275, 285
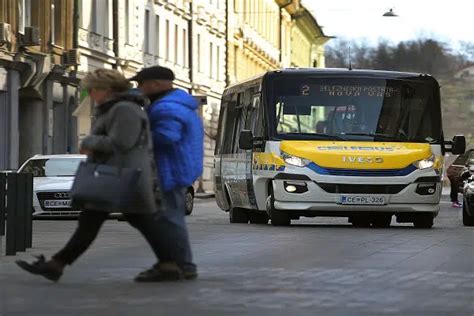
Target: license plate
362, 200
57, 203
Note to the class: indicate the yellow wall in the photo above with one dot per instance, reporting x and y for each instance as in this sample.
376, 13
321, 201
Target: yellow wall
254, 39
300, 48
266, 34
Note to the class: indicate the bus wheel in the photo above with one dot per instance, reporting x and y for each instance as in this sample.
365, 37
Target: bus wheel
257, 217
423, 220
238, 215
381, 220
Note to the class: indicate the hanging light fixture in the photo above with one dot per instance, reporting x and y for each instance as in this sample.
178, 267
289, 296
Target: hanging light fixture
390, 13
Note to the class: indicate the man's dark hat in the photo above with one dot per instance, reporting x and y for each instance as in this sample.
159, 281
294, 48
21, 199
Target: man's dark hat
153, 73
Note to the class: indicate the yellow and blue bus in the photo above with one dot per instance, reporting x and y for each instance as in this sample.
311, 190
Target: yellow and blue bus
362, 144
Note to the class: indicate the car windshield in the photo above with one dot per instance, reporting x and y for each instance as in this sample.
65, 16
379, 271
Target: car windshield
54, 167
357, 109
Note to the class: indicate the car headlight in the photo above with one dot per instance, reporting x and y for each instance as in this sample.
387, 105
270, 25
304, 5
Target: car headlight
425, 163
294, 161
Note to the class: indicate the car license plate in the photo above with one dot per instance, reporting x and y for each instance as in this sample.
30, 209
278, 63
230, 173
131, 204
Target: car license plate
57, 203
362, 200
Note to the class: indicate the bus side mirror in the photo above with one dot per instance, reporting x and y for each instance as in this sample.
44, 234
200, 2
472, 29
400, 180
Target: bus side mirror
458, 145
246, 140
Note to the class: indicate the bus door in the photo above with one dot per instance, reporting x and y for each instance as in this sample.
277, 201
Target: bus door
220, 149
225, 161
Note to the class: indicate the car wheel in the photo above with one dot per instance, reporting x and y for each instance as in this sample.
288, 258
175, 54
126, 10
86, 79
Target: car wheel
238, 215
189, 201
467, 220
423, 220
381, 220
258, 217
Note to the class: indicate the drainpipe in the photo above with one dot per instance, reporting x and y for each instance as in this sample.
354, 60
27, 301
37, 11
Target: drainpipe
75, 25
191, 46
115, 32
227, 77
200, 188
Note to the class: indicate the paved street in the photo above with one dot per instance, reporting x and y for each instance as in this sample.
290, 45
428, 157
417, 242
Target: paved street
318, 266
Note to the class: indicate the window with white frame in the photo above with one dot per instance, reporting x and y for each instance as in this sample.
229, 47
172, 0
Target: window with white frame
24, 10
146, 35
211, 60
56, 22
199, 53
157, 35
167, 55
127, 21
105, 18
185, 47
218, 63
176, 44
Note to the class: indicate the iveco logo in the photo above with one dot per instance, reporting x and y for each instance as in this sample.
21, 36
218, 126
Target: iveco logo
352, 159
62, 195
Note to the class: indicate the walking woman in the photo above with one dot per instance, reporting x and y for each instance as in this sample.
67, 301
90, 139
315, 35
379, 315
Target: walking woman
120, 138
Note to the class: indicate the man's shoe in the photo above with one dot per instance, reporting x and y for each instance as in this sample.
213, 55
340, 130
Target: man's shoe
456, 205
47, 269
190, 275
161, 272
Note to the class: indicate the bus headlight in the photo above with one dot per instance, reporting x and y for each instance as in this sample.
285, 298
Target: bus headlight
425, 163
294, 161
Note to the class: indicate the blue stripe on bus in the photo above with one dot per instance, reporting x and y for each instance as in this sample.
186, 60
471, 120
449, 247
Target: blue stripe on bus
361, 173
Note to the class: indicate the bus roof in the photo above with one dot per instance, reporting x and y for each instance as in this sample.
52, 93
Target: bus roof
349, 73
343, 72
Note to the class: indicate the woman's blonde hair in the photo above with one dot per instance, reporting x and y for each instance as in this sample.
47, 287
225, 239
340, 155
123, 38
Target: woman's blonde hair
106, 79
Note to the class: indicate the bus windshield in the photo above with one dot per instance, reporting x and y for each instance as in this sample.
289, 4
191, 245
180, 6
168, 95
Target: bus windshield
361, 109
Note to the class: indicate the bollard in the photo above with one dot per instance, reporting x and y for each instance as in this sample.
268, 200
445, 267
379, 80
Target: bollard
28, 210
3, 185
11, 215
19, 212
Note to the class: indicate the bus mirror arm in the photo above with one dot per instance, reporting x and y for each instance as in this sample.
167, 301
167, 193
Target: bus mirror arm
457, 145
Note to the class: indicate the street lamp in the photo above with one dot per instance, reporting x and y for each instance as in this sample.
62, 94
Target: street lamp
390, 13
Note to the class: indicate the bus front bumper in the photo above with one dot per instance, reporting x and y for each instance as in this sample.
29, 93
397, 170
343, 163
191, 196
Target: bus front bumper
318, 200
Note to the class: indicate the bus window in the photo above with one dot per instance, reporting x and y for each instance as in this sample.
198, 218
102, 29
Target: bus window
229, 118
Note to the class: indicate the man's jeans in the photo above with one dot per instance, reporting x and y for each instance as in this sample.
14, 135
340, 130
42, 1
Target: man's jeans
171, 227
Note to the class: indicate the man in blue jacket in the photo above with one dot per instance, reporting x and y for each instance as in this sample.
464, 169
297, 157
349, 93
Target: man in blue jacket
177, 133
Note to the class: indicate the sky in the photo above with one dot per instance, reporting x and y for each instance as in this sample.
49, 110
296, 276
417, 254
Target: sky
448, 21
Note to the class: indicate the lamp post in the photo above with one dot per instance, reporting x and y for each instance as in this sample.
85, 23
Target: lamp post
390, 13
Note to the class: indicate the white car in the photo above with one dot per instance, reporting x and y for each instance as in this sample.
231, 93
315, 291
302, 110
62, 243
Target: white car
52, 181
53, 176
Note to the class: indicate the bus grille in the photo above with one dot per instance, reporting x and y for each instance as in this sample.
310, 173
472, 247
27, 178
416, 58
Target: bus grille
361, 173
362, 188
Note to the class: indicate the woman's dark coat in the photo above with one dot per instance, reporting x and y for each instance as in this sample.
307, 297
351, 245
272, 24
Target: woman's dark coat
120, 137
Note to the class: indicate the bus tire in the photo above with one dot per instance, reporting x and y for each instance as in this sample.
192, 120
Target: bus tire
467, 220
238, 215
423, 220
257, 217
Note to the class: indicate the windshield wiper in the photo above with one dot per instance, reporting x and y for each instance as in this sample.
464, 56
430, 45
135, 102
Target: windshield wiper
327, 136
371, 135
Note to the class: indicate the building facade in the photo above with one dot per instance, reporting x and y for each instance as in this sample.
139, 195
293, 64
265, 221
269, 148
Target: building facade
307, 40
186, 36
271, 34
38, 88
208, 43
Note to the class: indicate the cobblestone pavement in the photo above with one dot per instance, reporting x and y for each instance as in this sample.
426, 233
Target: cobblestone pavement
319, 266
